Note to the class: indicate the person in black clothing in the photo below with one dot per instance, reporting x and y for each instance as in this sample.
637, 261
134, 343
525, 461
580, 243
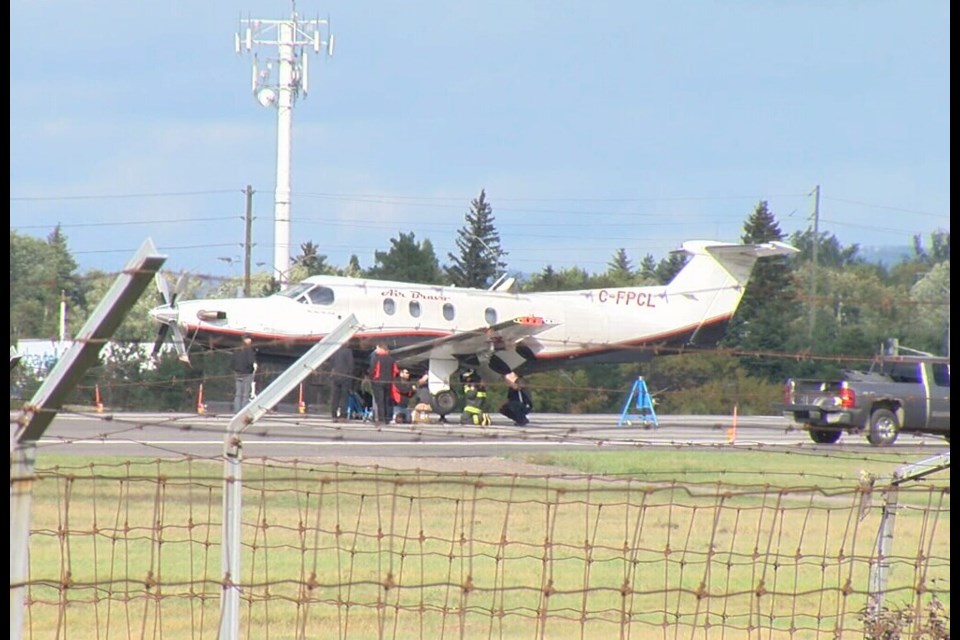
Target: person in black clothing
341, 382
519, 402
243, 362
383, 374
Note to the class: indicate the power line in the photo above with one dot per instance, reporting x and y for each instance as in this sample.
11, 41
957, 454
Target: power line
77, 225
119, 196
888, 208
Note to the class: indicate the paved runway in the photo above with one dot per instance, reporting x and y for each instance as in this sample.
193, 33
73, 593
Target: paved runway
297, 435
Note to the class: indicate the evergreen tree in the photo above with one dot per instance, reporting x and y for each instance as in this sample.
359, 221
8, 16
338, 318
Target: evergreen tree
546, 280
619, 269
353, 269
312, 261
407, 261
479, 261
763, 321
648, 268
670, 267
572, 279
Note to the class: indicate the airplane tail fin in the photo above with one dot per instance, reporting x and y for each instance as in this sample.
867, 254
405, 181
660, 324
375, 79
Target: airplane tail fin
714, 280
715, 266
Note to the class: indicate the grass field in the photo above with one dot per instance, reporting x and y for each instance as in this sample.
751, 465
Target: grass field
643, 544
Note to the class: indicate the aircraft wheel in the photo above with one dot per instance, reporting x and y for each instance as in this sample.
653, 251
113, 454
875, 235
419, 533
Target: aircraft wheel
444, 402
824, 436
884, 428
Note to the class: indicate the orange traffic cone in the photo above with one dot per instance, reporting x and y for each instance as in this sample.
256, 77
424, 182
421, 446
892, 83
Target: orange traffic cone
201, 408
301, 405
96, 399
732, 431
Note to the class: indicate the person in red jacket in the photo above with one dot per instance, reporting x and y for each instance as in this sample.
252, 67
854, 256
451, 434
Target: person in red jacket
383, 375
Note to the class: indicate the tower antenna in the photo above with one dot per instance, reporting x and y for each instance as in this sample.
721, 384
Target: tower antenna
276, 83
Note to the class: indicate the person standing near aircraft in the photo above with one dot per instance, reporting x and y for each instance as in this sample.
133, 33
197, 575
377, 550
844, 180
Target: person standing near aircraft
383, 374
341, 381
243, 362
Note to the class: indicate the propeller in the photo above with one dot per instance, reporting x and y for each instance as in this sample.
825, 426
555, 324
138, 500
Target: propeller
167, 316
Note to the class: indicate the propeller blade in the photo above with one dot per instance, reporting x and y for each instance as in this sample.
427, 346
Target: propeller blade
179, 345
161, 336
179, 288
170, 300
163, 287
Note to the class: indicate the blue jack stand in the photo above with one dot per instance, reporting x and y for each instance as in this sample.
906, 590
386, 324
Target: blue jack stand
645, 415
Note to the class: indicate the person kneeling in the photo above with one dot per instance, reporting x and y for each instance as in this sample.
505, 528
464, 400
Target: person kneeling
474, 410
519, 402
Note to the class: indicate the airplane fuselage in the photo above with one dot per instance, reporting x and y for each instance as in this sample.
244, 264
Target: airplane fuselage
446, 327
599, 323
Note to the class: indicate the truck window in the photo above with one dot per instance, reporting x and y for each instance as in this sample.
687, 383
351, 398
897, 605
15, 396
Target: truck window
941, 375
905, 373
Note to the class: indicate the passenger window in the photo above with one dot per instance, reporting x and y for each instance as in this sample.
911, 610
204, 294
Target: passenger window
389, 306
905, 374
490, 315
414, 309
941, 375
448, 311
321, 295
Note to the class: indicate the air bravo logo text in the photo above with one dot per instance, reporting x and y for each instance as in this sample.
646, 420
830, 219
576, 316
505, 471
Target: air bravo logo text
413, 294
626, 298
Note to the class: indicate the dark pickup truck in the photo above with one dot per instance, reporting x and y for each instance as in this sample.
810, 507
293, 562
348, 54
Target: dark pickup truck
899, 394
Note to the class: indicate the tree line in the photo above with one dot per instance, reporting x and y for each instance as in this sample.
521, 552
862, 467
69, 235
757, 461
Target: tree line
797, 317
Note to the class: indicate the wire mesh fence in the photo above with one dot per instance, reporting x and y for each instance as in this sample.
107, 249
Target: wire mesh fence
133, 549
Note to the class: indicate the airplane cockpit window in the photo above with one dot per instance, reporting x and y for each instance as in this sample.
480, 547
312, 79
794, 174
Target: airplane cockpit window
389, 306
414, 309
321, 295
295, 291
448, 311
490, 315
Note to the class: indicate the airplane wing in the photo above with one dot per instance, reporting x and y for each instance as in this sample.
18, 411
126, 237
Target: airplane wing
495, 337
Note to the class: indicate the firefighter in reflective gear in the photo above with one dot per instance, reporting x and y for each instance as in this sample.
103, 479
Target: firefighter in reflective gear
475, 410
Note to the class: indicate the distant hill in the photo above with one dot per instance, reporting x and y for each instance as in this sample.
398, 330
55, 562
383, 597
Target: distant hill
886, 256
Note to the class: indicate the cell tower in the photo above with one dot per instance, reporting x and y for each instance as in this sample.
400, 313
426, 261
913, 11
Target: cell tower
276, 83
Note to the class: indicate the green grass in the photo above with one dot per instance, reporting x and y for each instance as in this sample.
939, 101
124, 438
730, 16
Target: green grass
759, 467
402, 554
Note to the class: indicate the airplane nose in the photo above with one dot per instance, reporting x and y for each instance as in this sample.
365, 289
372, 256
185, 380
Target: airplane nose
165, 314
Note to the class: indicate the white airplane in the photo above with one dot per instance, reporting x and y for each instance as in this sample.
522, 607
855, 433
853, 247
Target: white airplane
441, 330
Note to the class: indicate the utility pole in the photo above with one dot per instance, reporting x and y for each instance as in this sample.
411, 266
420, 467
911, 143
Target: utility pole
813, 265
291, 37
247, 245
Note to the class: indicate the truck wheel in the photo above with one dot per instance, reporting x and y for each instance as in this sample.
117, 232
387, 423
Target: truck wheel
824, 436
444, 402
884, 428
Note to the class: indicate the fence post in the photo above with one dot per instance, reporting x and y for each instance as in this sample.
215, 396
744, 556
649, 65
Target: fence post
230, 545
880, 565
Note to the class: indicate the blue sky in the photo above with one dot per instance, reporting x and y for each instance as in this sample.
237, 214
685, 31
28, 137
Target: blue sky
591, 126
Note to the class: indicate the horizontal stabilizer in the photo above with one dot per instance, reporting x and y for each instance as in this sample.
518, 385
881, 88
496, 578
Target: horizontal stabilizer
713, 264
